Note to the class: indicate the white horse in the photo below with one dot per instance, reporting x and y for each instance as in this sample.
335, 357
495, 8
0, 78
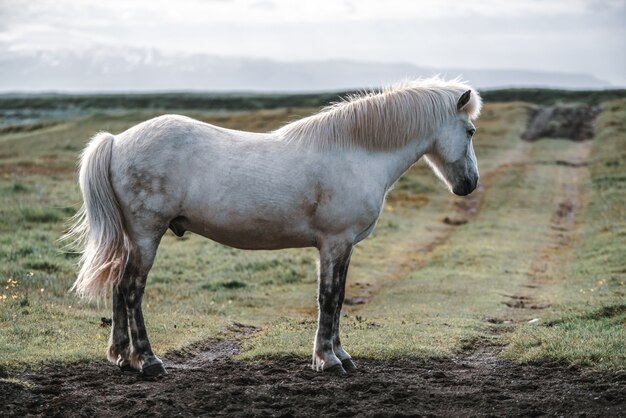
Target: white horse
317, 182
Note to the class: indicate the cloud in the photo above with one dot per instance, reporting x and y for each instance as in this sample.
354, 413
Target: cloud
80, 12
263, 4
575, 35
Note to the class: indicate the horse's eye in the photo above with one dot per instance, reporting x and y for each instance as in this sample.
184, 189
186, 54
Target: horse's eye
471, 132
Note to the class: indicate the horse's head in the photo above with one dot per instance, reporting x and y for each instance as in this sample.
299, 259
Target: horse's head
452, 153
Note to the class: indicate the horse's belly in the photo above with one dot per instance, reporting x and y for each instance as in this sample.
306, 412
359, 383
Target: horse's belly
252, 234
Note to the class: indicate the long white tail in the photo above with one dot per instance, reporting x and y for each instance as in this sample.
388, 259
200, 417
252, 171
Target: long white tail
99, 225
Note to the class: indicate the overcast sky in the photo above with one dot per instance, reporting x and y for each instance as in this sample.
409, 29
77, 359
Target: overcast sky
587, 36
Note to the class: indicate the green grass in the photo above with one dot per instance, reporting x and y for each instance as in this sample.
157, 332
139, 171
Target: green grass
42, 215
425, 300
17, 188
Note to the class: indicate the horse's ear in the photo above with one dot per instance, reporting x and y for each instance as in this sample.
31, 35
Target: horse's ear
463, 100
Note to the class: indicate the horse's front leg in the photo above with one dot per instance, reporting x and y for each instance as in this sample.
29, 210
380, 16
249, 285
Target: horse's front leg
334, 258
119, 342
346, 360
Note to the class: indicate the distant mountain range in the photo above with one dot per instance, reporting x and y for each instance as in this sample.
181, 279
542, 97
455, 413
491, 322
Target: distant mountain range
132, 69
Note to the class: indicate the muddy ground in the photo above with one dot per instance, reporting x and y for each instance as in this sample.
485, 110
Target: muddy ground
205, 381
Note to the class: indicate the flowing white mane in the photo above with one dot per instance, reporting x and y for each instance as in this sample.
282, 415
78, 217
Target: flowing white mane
383, 120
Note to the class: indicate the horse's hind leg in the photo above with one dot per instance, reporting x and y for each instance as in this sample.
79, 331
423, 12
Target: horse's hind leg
140, 261
119, 342
334, 259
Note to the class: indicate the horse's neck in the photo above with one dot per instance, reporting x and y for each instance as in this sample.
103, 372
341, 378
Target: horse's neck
393, 163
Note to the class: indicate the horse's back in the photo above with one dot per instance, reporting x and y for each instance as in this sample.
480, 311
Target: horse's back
178, 130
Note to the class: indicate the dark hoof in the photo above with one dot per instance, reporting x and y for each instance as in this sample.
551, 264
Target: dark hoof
126, 368
336, 370
348, 365
154, 370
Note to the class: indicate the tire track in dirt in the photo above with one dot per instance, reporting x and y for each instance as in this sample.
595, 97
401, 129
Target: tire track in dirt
568, 204
568, 199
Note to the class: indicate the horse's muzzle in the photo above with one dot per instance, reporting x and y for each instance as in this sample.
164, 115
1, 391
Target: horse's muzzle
465, 187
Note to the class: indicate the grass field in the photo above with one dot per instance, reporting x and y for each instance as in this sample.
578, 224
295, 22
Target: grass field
532, 263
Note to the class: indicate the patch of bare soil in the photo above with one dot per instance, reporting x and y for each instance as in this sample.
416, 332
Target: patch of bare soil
205, 381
